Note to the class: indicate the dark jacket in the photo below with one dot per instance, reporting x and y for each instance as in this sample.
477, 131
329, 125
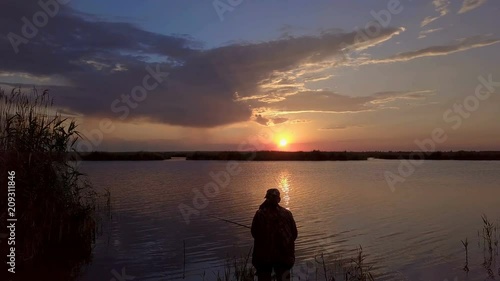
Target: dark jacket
274, 232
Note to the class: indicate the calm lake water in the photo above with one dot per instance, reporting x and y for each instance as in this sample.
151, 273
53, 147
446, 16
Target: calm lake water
413, 233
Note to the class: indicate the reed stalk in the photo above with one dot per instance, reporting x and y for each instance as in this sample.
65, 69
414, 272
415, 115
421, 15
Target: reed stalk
56, 205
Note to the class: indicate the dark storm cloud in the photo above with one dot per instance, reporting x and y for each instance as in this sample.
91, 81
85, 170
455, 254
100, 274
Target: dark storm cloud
104, 60
67, 39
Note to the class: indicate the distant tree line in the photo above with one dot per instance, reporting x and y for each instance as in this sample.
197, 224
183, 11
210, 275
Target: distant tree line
315, 155
124, 156
438, 155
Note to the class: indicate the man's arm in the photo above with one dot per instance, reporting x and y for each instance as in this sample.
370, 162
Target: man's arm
256, 225
294, 227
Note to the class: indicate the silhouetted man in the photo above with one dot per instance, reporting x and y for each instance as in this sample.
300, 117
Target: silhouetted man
274, 232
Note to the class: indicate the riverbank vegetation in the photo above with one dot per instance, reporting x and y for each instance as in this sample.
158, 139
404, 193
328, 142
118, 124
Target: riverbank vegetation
358, 268
124, 156
56, 206
322, 267
488, 238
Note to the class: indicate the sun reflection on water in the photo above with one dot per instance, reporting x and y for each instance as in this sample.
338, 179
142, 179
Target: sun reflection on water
284, 185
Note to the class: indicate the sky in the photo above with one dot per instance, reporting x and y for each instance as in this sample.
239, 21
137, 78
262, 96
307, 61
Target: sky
252, 74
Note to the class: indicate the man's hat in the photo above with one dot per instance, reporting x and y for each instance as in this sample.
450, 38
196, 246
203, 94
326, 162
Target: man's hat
273, 192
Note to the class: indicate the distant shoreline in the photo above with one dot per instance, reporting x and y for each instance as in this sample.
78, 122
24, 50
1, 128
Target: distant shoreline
314, 155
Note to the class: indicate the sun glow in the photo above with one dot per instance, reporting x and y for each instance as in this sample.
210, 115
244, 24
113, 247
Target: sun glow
283, 142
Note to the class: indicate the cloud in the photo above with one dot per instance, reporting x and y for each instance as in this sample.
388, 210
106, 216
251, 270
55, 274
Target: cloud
103, 61
300, 121
269, 121
424, 33
461, 45
74, 40
440, 6
261, 120
469, 5
431, 30
279, 120
330, 102
281, 83
322, 101
390, 96
339, 127
428, 20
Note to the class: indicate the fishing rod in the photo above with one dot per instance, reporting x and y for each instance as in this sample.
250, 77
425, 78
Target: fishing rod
184, 241
236, 223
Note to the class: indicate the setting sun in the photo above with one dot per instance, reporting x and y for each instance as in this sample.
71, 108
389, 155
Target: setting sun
283, 142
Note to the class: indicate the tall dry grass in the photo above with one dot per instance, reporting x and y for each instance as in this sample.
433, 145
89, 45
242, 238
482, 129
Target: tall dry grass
331, 269
56, 205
